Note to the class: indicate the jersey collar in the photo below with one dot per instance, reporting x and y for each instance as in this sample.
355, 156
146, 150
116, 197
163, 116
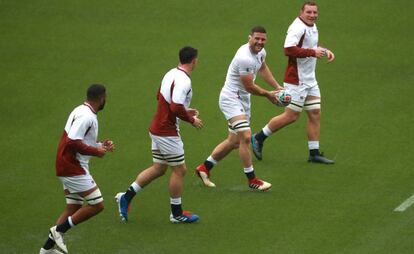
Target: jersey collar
305, 22
90, 107
183, 71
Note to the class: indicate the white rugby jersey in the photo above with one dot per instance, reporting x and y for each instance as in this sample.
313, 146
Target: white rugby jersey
82, 124
244, 62
301, 69
181, 83
176, 88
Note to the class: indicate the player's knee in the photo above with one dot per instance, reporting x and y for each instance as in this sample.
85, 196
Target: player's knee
160, 172
316, 113
314, 116
291, 117
235, 145
245, 140
99, 207
180, 170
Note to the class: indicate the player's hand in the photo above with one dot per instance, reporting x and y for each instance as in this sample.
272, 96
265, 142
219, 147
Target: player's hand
330, 55
271, 96
101, 151
197, 123
108, 145
320, 52
279, 87
193, 112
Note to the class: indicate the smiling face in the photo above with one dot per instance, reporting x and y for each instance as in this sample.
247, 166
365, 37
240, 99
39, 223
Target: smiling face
257, 41
309, 14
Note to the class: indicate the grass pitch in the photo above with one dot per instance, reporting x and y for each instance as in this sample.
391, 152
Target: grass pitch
52, 50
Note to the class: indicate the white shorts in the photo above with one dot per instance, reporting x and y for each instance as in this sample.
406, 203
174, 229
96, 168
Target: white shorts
167, 150
76, 184
299, 94
233, 104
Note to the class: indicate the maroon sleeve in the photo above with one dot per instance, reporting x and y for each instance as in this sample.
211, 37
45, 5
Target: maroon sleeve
180, 111
82, 148
299, 52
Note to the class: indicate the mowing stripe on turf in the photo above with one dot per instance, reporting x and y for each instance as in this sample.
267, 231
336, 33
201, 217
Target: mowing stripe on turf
404, 205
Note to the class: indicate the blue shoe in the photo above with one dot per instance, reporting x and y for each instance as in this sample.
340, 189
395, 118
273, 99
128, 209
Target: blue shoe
257, 147
186, 217
122, 206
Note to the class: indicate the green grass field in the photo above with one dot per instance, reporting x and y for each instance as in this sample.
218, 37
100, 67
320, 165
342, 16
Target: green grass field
52, 50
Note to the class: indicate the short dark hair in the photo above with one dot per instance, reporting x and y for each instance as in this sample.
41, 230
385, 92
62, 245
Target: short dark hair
311, 3
187, 54
258, 29
95, 91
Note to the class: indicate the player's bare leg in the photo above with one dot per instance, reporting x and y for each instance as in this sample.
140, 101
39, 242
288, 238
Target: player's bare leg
287, 117
219, 152
148, 175
80, 213
313, 125
276, 123
143, 179
69, 210
225, 147
74, 214
313, 130
175, 188
244, 148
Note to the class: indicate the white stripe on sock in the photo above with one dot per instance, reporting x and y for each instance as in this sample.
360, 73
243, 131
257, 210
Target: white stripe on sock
136, 187
210, 159
248, 169
266, 130
175, 201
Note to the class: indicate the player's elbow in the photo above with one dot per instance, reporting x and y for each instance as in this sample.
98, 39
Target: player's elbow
290, 51
249, 88
174, 108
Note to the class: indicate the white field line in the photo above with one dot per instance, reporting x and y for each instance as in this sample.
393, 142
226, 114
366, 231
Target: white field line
404, 205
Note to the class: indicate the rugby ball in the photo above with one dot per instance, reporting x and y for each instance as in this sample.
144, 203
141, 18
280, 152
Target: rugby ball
283, 98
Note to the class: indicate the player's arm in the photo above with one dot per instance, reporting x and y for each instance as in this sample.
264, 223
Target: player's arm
178, 97
180, 111
186, 115
268, 77
291, 48
77, 133
251, 87
82, 148
297, 52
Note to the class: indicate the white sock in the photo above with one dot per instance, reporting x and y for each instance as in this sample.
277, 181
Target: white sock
248, 169
175, 201
70, 222
136, 187
266, 130
313, 145
210, 159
